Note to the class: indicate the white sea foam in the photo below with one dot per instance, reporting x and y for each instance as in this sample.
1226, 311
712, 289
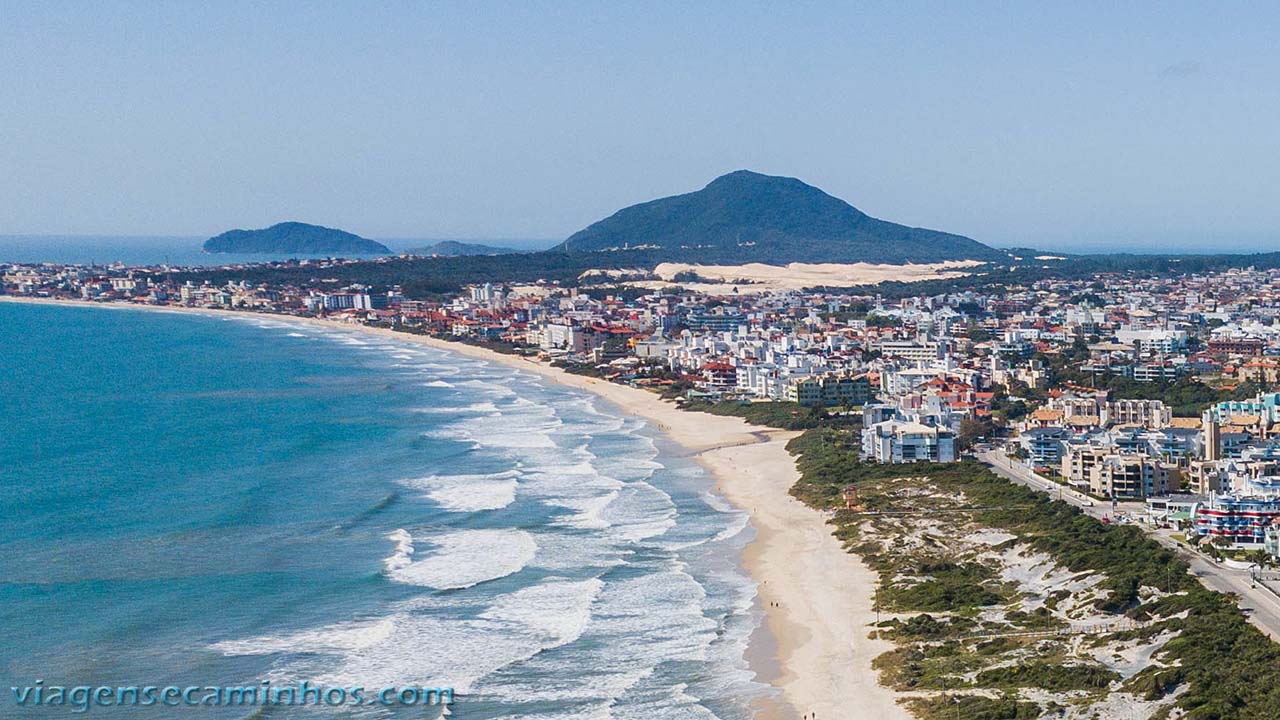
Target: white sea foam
490, 386
590, 510
437, 384
415, 645
403, 555
404, 648
469, 493
295, 335
562, 552
485, 407
626, 467
665, 608
476, 497
557, 610
521, 431
430, 368
464, 558
338, 638
496, 432
640, 511
718, 503
740, 522
613, 673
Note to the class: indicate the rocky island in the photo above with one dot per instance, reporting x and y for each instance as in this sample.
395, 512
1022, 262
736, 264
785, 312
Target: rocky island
294, 237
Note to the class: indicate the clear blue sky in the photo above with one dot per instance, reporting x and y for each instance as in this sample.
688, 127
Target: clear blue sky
1046, 124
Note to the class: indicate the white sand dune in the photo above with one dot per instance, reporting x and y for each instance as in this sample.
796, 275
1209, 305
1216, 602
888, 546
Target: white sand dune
758, 277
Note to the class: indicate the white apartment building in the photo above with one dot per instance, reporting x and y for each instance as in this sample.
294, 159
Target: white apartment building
914, 350
901, 441
1162, 341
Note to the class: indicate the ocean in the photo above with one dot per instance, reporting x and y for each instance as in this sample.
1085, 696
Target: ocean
174, 251
229, 501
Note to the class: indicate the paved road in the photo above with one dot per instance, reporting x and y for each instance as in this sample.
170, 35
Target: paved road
1263, 606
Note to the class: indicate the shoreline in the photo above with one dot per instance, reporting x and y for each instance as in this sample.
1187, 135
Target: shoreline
818, 654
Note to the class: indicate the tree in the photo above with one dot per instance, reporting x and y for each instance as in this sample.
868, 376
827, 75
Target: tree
1260, 558
978, 334
971, 429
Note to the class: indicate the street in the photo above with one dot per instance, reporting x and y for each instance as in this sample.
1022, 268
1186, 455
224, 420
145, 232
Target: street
1263, 607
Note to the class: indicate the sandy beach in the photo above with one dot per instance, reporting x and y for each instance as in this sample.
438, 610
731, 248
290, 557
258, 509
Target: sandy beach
823, 595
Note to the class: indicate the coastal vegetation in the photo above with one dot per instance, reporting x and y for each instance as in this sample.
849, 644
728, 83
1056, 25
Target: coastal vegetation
781, 415
293, 237
453, 248
1006, 604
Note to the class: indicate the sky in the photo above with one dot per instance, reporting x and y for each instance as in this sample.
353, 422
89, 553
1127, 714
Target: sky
1074, 126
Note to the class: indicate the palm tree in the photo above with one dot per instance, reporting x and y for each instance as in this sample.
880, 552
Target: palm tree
1260, 559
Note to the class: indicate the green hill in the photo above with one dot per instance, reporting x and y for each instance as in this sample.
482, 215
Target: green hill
453, 248
752, 217
294, 237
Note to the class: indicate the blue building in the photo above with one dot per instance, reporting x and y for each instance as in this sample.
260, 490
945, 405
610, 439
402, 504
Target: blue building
1243, 521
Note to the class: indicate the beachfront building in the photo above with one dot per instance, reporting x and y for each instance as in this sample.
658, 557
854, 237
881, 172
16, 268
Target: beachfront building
563, 336
1242, 521
1044, 445
718, 376
1079, 459
1124, 475
829, 390
902, 441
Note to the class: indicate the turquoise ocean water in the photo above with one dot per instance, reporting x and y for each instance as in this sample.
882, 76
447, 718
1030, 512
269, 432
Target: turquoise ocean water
227, 501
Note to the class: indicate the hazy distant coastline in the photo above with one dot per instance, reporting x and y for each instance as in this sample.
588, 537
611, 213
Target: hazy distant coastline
182, 250
175, 249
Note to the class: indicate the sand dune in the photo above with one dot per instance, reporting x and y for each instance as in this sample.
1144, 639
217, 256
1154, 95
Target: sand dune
758, 277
